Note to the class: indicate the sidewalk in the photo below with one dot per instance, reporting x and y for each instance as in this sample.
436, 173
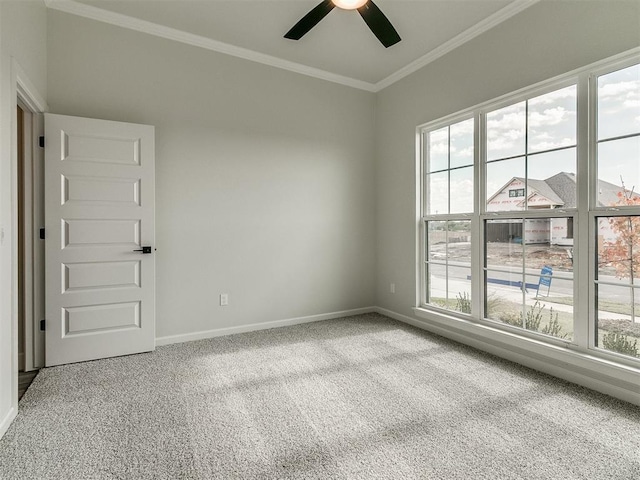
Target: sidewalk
514, 294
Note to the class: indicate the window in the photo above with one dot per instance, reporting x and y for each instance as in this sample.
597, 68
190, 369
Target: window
449, 169
531, 147
449, 180
618, 284
500, 230
528, 277
531, 165
617, 276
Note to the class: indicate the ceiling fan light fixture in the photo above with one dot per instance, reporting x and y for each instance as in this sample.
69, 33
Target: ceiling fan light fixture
379, 25
349, 4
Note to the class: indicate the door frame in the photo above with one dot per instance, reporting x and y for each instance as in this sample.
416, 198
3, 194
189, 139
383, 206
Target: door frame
32, 263
23, 91
33, 106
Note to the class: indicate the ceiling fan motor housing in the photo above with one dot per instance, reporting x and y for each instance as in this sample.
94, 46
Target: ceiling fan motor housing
369, 11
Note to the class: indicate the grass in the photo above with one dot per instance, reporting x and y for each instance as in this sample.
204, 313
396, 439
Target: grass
602, 333
510, 313
442, 302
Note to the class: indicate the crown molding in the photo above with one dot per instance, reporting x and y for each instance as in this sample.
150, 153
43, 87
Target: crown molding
124, 21
460, 39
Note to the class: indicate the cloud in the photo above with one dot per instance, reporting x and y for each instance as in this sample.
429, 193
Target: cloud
541, 145
617, 89
438, 194
455, 140
508, 121
462, 128
438, 148
548, 127
462, 185
465, 152
555, 96
502, 144
615, 98
550, 117
542, 136
441, 135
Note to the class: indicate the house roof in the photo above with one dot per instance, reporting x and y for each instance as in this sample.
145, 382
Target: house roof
608, 193
535, 187
542, 188
564, 186
561, 190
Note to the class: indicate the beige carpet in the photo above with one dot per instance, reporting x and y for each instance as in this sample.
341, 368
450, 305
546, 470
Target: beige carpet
355, 398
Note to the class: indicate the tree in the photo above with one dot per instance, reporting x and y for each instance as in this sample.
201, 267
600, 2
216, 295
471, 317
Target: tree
623, 253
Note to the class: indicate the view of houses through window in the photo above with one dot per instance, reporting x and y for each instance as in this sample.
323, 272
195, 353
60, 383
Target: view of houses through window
531, 148
526, 224
617, 276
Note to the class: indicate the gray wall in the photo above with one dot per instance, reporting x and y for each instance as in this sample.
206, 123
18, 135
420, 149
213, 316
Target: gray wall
23, 31
545, 40
264, 178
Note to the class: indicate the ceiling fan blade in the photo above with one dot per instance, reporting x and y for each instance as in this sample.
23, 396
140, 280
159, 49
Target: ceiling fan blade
379, 24
310, 20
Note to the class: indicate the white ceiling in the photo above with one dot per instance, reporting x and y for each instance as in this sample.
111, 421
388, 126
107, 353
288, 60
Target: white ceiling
340, 48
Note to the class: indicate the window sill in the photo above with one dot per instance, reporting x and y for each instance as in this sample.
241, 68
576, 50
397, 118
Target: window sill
565, 361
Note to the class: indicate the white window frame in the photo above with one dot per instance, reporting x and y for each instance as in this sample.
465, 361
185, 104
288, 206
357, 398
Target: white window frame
424, 218
508, 100
594, 211
584, 216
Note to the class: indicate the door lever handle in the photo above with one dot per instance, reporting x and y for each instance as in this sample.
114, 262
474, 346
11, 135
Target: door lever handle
144, 250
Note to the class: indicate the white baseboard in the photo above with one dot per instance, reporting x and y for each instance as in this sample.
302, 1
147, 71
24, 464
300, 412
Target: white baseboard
219, 332
586, 370
6, 421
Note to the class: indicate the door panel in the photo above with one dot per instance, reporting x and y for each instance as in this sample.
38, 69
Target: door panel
99, 209
99, 148
114, 191
101, 318
82, 233
96, 275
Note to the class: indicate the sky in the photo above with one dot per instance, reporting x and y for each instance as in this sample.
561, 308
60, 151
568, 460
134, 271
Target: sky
527, 131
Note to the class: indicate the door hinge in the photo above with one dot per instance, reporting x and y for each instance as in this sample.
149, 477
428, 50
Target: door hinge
42, 325
41, 141
42, 234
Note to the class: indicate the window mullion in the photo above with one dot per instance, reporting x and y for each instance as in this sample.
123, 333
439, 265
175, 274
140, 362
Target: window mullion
421, 234
526, 208
583, 250
477, 235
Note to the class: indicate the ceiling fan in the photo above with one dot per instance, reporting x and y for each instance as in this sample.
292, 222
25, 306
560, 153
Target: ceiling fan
369, 11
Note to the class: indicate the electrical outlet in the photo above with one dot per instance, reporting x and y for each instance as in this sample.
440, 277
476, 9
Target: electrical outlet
392, 288
224, 299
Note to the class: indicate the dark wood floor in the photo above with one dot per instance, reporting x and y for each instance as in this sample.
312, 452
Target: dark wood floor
24, 380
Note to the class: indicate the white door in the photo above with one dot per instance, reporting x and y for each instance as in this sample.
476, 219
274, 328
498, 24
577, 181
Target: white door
99, 214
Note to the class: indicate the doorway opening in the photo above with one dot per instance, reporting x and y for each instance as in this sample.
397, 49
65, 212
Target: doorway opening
20, 195
24, 378
30, 251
